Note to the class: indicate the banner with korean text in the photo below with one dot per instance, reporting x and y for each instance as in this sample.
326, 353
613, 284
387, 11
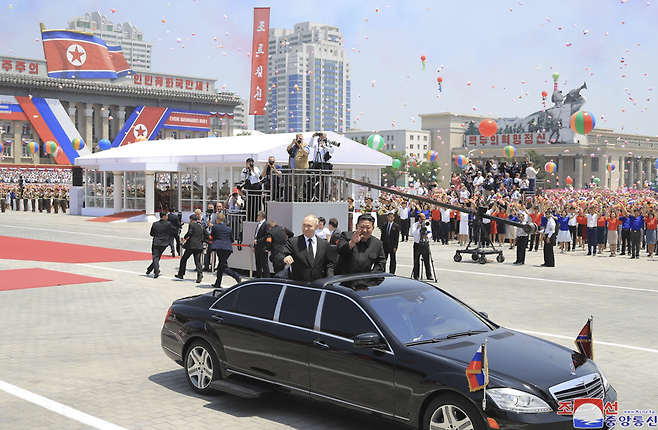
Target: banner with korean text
259, 61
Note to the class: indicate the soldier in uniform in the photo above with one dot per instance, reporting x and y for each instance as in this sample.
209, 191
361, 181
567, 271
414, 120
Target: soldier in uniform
18, 198
55, 202
40, 198
46, 199
26, 198
62, 200
33, 196
3, 198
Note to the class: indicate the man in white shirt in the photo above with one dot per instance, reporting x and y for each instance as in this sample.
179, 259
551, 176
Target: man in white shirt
521, 236
404, 220
478, 182
531, 173
250, 175
422, 236
445, 225
592, 218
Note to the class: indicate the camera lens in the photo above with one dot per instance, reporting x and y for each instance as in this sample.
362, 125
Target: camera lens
271, 163
299, 140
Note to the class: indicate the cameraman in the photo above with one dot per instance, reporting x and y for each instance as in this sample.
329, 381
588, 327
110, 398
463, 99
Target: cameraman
272, 177
250, 176
298, 161
422, 236
323, 151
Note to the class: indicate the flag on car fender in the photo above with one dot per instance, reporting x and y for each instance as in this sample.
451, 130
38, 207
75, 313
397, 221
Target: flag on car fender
584, 340
477, 372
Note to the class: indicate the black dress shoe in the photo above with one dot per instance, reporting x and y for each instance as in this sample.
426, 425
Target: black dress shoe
156, 274
178, 276
148, 271
543, 265
199, 278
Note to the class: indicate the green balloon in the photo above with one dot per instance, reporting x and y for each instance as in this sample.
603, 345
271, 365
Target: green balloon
597, 181
396, 164
556, 76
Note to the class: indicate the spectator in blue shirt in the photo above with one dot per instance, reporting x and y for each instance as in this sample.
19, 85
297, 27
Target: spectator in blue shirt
636, 224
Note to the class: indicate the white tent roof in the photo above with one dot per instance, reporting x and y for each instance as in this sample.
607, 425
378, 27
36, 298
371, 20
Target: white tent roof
178, 155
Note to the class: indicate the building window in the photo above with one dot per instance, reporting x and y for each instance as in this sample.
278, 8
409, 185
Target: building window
411, 146
411, 137
595, 164
424, 146
425, 138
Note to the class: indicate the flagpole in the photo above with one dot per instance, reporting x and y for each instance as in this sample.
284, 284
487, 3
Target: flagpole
591, 335
486, 376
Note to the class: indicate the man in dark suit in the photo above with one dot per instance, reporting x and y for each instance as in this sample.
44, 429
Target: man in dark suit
359, 251
279, 236
308, 255
195, 237
162, 232
333, 239
176, 222
222, 245
262, 242
391, 239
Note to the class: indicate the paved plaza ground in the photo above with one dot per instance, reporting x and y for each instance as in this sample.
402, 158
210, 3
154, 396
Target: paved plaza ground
94, 348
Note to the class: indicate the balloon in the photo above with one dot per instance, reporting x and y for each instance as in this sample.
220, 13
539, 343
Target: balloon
78, 143
550, 167
597, 181
488, 127
544, 93
432, 156
396, 163
32, 147
656, 163
412, 163
582, 122
50, 147
423, 58
569, 180
439, 79
140, 138
104, 144
461, 161
2, 146
610, 167
556, 76
169, 138
509, 151
376, 142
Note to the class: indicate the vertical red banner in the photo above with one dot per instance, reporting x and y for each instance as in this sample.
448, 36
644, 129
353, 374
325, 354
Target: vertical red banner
259, 61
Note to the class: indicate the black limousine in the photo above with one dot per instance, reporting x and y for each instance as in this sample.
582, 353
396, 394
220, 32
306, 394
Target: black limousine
376, 343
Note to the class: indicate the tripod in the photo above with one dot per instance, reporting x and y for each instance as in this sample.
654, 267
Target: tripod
422, 263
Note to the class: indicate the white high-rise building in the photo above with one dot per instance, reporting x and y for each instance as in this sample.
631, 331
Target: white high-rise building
126, 35
308, 75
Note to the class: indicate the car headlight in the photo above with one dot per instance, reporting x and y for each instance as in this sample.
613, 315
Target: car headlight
606, 384
509, 399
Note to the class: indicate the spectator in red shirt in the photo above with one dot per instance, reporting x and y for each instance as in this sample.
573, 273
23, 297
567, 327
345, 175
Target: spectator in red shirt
613, 222
651, 222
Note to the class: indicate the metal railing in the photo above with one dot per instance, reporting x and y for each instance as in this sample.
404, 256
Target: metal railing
307, 185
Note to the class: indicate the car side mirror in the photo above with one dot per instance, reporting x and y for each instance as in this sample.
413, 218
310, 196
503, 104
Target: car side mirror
367, 340
484, 314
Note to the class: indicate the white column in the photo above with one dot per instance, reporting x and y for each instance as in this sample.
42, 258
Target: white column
149, 188
118, 192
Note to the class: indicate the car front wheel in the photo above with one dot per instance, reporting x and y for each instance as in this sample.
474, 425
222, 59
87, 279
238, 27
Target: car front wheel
201, 366
451, 412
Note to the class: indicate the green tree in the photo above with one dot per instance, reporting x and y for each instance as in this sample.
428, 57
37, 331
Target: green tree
428, 171
391, 176
244, 133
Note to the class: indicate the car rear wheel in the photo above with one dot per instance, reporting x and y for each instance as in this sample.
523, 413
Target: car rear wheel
201, 366
451, 412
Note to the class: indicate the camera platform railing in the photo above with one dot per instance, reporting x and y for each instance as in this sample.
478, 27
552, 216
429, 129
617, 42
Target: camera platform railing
482, 246
318, 184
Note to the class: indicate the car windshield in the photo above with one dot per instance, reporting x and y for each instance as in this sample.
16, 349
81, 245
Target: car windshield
425, 314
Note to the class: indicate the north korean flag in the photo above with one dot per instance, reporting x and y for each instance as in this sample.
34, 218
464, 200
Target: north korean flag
119, 62
145, 121
71, 54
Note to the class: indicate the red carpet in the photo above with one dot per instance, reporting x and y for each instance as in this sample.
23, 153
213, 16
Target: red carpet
19, 279
117, 217
14, 248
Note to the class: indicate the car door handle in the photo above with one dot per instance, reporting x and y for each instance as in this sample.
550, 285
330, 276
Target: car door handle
218, 318
320, 344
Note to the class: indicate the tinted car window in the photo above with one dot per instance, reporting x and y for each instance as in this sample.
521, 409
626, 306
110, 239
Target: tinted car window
299, 307
258, 300
225, 303
340, 316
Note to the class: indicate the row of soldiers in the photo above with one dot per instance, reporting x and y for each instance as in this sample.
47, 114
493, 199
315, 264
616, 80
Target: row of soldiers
41, 197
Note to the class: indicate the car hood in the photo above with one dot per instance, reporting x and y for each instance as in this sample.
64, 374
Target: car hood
516, 359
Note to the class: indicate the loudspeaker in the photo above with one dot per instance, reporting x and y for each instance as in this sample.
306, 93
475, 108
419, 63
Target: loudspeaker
77, 176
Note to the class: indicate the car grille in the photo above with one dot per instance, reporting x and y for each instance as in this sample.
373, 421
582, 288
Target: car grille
589, 386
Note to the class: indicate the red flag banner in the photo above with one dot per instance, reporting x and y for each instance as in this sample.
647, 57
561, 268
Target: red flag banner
259, 61
584, 340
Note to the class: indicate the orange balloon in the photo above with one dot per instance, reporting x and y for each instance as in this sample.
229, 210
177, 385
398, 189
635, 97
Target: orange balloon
488, 127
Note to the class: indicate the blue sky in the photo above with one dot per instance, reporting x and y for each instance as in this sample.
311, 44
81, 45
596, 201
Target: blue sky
506, 50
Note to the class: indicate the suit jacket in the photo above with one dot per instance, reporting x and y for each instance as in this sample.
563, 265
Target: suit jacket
302, 269
365, 257
392, 239
174, 220
162, 232
263, 238
280, 236
196, 235
222, 237
333, 245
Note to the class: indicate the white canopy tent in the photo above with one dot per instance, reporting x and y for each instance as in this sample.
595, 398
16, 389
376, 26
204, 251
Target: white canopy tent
207, 159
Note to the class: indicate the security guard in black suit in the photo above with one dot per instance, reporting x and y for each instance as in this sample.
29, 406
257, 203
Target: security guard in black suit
262, 242
195, 237
391, 239
279, 236
161, 231
307, 254
359, 251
